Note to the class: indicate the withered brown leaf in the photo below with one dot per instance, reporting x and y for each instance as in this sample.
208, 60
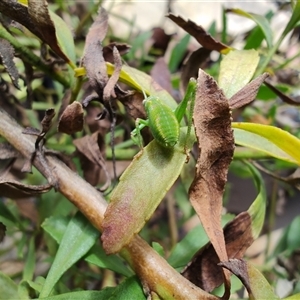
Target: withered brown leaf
285, 98
108, 50
38, 11
161, 74
203, 270
212, 121
200, 34
191, 67
71, 120
93, 53
248, 93
92, 160
7, 56
15, 189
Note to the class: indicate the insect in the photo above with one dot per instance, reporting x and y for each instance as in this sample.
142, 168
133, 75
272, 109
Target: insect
164, 123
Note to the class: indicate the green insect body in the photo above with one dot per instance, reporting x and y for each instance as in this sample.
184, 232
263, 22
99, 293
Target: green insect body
162, 122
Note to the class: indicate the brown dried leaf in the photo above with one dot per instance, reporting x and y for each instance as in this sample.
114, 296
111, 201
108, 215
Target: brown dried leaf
14, 189
248, 93
2, 231
47, 120
161, 40
203, 270
7, 56
92, 160
93, 57
108, 51
46, 124
38, 11
256, 284
19, 13
281, 95
109, 90
200, 34
195, 61
31, 131
212, 121
161, 74
71, 120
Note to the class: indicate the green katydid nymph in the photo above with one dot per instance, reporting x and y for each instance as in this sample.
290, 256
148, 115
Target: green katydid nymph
164, 123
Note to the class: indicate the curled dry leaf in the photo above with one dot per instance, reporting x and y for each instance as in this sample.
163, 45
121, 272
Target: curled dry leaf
93, 53
203, 270
46, 124
256, 284
71, 120
195, 61
108, 51
212, 121
161, 74
200, 34
92, 160
285, 98
14, 189
248, 93
19, 12
109, 89
40, 16
7, 56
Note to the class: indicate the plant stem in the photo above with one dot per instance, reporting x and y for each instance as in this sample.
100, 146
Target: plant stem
28, 56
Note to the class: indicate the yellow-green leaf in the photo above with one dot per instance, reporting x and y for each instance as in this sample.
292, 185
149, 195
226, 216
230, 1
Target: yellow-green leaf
236, 70
269, 139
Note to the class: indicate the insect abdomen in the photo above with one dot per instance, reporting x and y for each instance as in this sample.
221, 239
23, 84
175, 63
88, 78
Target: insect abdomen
162, 122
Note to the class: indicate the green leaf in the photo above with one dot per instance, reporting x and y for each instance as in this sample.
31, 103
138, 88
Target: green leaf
8, 289
178, 53
256, 35
141, 188
79, 237
261, 21
290, 240
128, 289
236, 70
98, 257
293, 237
29, 267
293, 20
257, 210
105, 294
7, 217
158, 248
64, 37
56, 227
269, 139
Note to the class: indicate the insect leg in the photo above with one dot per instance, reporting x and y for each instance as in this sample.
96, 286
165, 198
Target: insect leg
136, 133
